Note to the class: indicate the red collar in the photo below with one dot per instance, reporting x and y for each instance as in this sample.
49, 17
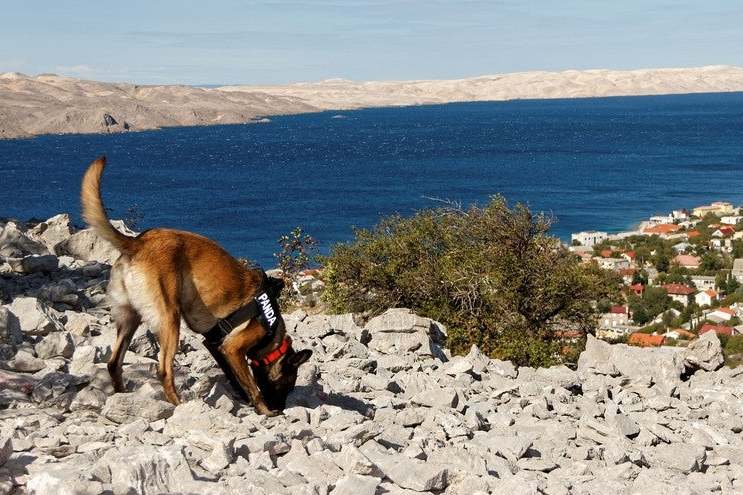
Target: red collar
272, 356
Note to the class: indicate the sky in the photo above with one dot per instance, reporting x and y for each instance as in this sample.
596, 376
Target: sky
276, 42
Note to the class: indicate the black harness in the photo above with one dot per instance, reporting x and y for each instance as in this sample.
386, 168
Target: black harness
264, 308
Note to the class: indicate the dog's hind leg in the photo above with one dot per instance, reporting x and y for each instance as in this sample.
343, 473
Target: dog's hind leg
169, 335
127, 320
167, 318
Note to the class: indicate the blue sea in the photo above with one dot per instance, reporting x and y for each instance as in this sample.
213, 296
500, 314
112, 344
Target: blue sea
595, 163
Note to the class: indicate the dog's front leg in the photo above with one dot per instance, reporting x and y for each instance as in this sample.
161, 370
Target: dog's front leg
234, 349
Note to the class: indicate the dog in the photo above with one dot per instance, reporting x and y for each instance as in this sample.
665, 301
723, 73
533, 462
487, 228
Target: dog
164, 276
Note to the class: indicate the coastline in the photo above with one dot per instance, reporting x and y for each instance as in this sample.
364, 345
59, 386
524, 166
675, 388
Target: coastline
32, 106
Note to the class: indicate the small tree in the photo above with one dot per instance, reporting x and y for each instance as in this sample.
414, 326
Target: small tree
493, 275
640, 277
133, 216
653, 302
711, 262
296, 252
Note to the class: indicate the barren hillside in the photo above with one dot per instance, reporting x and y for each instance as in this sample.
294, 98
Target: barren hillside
55, 104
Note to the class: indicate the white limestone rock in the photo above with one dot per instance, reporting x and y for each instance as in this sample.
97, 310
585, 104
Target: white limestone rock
147, 470
15, 244
26, 362
63, 479
704, 353
34, 316
355, 484
128, 407
57, 344
52, 231
88, 246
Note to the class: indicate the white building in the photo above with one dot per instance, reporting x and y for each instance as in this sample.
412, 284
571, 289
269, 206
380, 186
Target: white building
721, 245
681, 247
731, 219
679, 215
706, 297
611, 263
659, 219
738, 269
718, 208
704, 282
614, 320
589, 238
680, 293
720, 315
687, 224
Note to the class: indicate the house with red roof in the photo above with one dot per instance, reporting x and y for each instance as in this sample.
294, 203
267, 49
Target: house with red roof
718, 329
720, 315
687, 261
616, 319
727, 310
618, 309
662, 229
692, 234
637, 289
680, 292
724, 231
645, 340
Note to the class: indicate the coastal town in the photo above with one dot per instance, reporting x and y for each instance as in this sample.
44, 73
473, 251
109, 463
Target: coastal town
681, 277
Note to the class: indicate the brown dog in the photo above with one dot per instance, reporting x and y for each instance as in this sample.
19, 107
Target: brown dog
166, 275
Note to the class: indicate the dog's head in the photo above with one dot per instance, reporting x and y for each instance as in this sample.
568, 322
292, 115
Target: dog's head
277, 379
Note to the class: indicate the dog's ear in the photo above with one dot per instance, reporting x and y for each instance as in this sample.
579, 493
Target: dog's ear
299, 358
276, 284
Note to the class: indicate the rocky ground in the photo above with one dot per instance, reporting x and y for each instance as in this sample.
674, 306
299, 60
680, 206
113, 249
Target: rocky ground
381, 408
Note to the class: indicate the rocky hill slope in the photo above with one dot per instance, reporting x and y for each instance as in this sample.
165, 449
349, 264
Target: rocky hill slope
343, 94
382, 408
55, 104
51, 104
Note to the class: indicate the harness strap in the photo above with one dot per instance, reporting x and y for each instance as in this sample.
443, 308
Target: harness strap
262, 306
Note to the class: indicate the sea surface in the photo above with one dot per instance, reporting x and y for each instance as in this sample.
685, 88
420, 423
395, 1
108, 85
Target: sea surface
595, 163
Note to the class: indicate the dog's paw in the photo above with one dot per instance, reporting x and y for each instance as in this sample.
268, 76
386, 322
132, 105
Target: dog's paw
267, 412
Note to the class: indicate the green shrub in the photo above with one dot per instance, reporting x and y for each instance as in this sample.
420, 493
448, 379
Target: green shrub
654, 301
493, 275
734, 345
733, 350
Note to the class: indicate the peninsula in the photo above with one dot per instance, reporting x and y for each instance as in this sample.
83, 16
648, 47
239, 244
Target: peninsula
50, 104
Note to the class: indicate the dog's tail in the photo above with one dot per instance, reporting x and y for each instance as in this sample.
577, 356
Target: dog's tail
95, 215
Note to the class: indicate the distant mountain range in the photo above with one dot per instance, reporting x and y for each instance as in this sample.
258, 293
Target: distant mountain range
49, 103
